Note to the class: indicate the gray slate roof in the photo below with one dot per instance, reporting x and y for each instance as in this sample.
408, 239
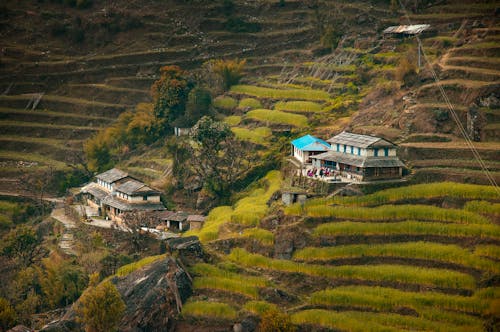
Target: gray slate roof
359, 161
95, 190
112, 175
196, 217
407, 29
134, 187
125, 206
361, 141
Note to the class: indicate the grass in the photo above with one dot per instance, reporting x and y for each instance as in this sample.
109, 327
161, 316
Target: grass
44, 125
14, 155
232, 120
278, 117
229, 285
483, 207
259, 307
225, 103
418, 191
129, 268
376, 273
411, 228
247, 211
209, 309
383, 298
249, 103
446, 253
298, 106
390, 213
297, 94
491, 251
212, 271
371, 321
258, 135
263, 236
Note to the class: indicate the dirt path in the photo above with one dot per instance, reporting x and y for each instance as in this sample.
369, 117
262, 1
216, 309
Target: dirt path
67, 242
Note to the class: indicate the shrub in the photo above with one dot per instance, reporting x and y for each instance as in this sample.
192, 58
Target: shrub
101, 308
275, 321
7, 315
129, 268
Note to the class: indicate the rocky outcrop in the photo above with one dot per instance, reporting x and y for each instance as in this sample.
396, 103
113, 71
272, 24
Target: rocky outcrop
153, 294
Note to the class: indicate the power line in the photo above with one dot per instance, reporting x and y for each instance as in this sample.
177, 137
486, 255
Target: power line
451, 109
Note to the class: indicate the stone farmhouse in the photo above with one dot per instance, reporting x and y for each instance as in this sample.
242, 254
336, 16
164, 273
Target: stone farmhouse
354, 157
115, 192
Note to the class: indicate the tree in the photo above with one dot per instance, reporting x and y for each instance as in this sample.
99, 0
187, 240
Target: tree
217, 157
23, 244
276, 321
37, 184
101, 308
7, 315
198, 104
170, 94
227, 72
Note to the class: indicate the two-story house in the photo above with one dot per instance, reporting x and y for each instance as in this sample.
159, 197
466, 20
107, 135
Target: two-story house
115, 192
361, 157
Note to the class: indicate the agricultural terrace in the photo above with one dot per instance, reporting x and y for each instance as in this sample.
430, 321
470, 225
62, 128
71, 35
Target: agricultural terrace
377, 261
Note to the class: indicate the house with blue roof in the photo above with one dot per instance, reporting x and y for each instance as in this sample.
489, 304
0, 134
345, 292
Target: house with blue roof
306, 146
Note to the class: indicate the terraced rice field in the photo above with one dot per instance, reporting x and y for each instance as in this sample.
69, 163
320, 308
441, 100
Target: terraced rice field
356, 271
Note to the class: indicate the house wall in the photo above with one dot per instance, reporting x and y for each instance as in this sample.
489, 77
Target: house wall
140, 199
370, 152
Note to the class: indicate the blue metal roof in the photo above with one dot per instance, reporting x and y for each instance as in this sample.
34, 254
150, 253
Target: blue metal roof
310, 143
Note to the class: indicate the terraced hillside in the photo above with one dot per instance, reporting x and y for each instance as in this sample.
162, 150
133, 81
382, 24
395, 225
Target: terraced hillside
377, 262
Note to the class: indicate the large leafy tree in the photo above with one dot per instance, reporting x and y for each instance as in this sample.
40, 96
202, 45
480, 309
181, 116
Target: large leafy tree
24, 245
217, 157
170, 94
101, 308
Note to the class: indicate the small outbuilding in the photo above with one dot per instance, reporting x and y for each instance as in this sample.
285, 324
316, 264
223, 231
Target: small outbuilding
195, 221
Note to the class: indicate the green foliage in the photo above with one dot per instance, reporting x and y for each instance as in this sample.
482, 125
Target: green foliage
388, 299
391, 212
61, 282
101, 308
258, 135
7, 315
225, 103
298, 106
229, 71
278, 117
212, 271
22, 244
198, 105
129, 268
275, 321
170, 94
411, 228
378, 273
209, 309
261, 92
446, 253
249, 104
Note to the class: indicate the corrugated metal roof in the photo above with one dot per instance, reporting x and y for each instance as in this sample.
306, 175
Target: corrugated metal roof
112, 175
310, 143
132, 187
361, 141
359, 161
95, 190
408, 29
125, 206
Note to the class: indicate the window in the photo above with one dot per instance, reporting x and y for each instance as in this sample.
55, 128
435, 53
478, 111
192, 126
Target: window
359, 151
386, 152
145, 198
375, 152
338, 147
352, 150
345, 148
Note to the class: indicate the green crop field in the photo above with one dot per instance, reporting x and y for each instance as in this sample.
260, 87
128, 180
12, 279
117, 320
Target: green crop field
297, 94
278, 117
